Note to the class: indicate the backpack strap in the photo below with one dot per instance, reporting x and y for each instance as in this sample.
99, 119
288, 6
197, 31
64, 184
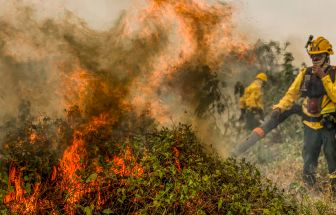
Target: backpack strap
331, 72
306, 78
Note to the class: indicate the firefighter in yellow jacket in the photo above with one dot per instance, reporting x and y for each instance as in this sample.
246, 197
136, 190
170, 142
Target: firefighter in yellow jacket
252, 102
316, 85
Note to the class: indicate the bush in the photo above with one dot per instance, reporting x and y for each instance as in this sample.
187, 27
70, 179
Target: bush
165, 171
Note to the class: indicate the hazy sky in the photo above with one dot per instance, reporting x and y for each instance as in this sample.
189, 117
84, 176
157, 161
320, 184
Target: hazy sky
98, 13
280, 20
292, 20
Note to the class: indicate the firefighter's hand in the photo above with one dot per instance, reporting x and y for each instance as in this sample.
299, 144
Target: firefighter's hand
319, 71
277, 110
276, 113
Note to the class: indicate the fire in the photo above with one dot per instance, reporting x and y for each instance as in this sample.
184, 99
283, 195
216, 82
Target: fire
15, 179
176, 153
70, 163
71, 160
54, 174
120, 168
16, 199
33, 137
201, 33
97, 122
178, 33
75, 86
66, 176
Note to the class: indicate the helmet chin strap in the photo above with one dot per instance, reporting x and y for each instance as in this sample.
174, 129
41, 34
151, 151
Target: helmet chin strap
326, 61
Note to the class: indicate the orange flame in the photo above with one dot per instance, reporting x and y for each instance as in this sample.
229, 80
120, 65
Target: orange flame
200, 33
120, 168
16, 199
33, 137
75, 86
69, 165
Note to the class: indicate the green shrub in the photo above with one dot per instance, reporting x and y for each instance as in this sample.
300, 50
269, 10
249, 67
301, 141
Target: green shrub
178, 177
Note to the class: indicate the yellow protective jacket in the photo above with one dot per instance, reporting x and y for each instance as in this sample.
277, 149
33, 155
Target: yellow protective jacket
293, 93
253, 96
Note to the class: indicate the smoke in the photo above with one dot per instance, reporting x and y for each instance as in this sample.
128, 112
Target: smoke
68, 90
154, 60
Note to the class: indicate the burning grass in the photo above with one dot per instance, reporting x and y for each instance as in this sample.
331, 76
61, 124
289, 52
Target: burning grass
97, 171
105, 155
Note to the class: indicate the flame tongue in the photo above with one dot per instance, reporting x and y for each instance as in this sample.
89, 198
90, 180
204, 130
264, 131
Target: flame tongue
14, 179
17, 199
72, 157
120, 168
70, 164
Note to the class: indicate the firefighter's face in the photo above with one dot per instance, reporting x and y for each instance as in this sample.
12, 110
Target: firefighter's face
318, 59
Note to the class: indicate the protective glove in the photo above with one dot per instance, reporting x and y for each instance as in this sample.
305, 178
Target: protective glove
276, 113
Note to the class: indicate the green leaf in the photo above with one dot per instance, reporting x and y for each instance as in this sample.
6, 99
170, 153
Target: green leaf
88, 209
4, 212
205, 178
28, 187
220, 203
107, 211
91, 178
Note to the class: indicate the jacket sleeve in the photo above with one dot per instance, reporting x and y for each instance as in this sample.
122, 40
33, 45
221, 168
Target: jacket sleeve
292, 93
330, 88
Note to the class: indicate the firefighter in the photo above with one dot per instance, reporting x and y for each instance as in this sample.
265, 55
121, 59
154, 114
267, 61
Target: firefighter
252, 103
316, 85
